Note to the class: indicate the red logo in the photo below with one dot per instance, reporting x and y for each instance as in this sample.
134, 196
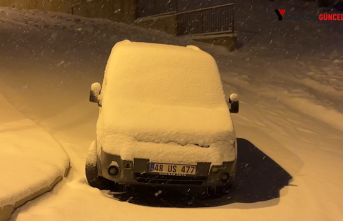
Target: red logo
280, 13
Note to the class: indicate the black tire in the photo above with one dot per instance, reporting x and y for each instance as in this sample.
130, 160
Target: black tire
97, 181
92, 176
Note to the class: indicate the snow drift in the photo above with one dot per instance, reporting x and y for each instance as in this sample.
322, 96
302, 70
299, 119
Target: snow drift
31, 160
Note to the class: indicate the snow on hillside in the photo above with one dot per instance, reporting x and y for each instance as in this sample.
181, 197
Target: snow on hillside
297, 63
289, 79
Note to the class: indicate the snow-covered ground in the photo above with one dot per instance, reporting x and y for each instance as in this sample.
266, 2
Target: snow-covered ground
289, 78
31, 160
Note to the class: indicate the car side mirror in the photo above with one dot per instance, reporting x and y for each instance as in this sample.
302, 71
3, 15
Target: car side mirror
234, 103
95, 92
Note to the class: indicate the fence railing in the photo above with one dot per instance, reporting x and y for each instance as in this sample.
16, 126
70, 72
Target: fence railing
156, 7
211, 20
217, 19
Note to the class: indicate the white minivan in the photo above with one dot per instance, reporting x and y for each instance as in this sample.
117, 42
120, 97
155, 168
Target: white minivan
163, 120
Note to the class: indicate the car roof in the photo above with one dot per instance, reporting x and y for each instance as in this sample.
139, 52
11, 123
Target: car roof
163, 75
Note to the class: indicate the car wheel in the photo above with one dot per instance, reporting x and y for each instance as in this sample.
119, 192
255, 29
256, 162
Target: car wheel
93, 179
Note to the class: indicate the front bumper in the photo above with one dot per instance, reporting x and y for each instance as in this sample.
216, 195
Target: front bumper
136, 172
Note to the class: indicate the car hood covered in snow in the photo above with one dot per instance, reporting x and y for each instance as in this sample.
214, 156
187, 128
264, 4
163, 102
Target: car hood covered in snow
162, 102
166, 134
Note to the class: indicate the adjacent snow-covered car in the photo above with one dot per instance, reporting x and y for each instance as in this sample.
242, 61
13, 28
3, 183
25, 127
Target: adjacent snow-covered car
163, 120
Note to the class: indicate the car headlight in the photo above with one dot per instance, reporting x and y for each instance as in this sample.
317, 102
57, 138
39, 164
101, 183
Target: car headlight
113, 170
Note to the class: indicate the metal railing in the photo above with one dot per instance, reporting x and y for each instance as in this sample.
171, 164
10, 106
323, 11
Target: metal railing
148, 8
212, 20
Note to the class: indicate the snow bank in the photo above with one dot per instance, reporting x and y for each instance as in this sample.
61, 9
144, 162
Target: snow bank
31, 160
330, 116
165, 94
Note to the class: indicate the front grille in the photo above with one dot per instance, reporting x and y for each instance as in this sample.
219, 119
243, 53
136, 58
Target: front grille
166, 179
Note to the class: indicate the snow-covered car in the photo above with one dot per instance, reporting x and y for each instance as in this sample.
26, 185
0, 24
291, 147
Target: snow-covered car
163, 120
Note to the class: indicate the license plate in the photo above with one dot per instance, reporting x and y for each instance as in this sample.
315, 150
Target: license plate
172, 169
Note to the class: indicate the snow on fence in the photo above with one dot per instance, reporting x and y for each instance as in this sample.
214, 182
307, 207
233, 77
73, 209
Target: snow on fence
212, 20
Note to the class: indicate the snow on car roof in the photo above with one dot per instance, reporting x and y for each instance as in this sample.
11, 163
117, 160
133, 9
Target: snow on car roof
164, 75
163, 93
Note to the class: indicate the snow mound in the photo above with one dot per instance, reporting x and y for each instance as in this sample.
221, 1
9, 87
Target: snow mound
164, 94
234, 97
96, 87
31, 160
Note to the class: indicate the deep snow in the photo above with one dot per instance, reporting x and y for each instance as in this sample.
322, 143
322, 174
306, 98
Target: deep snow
30, 158
280, 66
